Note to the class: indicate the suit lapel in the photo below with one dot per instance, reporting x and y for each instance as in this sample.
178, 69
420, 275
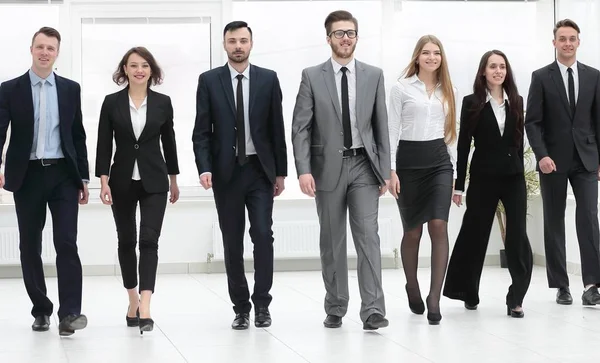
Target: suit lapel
152, 111
560, 85
227, 86
329, 79
254, 82
123, 107
361, 90
509, 125
63, 104
27, 97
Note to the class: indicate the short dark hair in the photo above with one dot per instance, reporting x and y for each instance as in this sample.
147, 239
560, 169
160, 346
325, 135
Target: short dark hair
120, 78
339, 15
49, 32
235, 25
566, 23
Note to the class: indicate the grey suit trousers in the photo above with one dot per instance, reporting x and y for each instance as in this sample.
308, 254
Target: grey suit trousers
357, 192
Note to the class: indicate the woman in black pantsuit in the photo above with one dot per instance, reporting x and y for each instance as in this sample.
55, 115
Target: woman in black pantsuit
139, 119
493, 117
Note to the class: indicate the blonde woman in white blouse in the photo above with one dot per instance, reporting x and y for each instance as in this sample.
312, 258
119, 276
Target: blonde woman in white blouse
422, 126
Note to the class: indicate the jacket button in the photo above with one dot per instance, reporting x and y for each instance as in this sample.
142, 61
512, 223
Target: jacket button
136, 146
509, 155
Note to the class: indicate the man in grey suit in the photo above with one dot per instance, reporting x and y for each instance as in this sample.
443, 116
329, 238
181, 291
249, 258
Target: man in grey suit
342, 154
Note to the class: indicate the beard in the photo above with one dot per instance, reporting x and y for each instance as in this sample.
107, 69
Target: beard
237, 58
342, 52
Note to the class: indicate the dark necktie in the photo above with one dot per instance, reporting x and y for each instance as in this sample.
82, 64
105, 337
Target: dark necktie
239, 122
346, 111
571, 91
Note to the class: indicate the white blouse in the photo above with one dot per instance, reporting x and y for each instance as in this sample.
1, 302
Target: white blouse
414, 116
138, 122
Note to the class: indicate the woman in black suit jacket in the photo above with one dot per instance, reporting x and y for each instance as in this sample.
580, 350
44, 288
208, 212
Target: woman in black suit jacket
138, 119
493, 117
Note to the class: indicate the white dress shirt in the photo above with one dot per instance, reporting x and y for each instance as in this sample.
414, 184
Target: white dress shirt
138, 122
414, 116
351, 75
565, 76
250, 149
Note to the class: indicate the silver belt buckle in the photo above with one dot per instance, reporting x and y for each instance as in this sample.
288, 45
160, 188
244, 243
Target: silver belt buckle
42, 161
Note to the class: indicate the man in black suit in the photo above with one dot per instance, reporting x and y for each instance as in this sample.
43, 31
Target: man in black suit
239, 142
563, 127
46, 165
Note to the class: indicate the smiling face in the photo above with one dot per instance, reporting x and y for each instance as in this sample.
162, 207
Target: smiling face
495, 71
44, 52
342, 39
137, 69
430, 58
566, 42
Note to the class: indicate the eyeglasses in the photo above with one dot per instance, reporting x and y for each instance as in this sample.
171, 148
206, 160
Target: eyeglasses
339, 34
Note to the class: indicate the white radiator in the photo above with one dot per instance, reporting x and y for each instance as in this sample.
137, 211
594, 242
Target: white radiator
300, 239
9, 246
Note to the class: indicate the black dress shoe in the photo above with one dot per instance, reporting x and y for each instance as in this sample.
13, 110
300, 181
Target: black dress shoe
513, 313
146, 325
563, 296
71, 323
135, 321
375, 321
470, 306
41, 323
241, 321
332, 321
591, 296
262, 317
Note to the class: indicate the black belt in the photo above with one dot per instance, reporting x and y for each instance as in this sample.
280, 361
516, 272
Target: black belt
46, 162
353, 152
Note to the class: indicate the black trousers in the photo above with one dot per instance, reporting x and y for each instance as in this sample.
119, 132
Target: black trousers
248, 188
49, 186
152, 212
554, 197
466, 263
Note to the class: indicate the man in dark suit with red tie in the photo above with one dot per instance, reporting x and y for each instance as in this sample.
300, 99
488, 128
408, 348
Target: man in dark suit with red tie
563, 128
46, 165
239, 143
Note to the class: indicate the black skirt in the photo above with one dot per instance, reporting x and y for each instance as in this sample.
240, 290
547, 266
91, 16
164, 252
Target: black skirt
425, 172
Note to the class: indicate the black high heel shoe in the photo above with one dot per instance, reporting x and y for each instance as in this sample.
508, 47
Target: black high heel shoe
131, 322
146, 325
418, 307
433, 318
514, 314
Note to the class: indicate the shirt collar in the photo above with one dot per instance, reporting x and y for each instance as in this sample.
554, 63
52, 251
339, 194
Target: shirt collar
35, 79
234, 73
415, 79
563, 68
489, 96
131, 104
337, 67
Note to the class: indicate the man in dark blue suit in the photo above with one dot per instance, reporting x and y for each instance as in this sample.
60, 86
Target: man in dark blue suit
46, 165
239, 143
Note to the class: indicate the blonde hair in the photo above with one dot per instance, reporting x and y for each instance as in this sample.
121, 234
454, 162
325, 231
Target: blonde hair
443, 77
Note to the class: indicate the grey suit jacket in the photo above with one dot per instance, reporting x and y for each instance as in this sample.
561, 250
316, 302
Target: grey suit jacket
317, 124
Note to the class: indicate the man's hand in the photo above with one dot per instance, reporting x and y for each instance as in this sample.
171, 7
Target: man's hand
307, 184
84, 194
1, 180
279, 186
206, 180
547, 165
457, 199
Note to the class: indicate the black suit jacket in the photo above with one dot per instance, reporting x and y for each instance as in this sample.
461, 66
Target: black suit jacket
551, 129
214, 133
16, 109
494, 154
115, 120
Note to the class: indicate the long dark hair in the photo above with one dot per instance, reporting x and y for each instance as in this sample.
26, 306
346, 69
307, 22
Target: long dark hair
515, 105
156, 78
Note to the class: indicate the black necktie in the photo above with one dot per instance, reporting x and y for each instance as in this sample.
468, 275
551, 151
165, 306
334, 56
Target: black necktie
571, 91
239, 122
346, 111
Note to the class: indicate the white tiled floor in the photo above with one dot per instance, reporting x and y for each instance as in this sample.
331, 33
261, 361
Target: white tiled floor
193, 314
